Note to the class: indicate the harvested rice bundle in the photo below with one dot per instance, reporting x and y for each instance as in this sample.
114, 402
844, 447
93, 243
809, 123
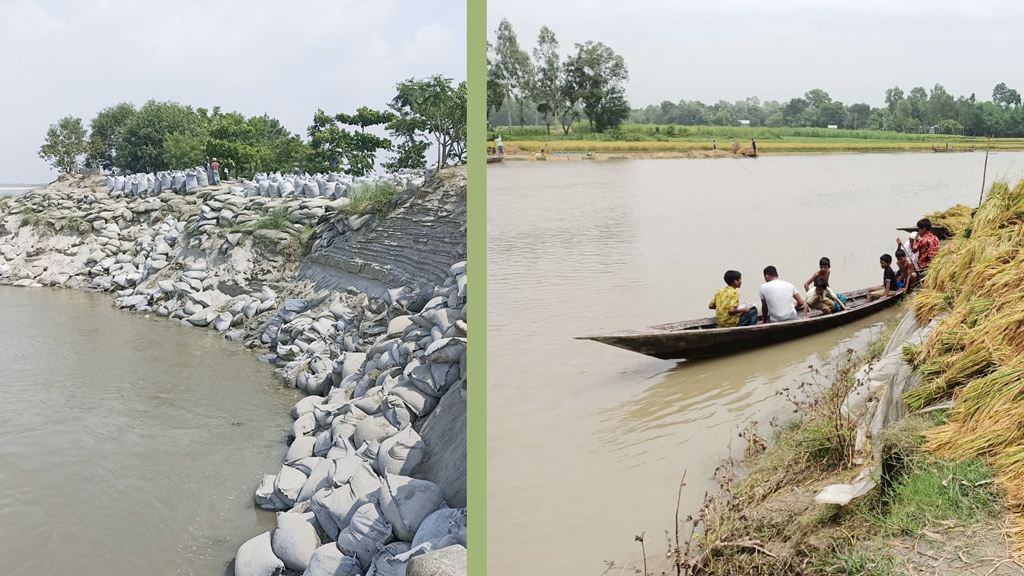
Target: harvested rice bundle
955, 220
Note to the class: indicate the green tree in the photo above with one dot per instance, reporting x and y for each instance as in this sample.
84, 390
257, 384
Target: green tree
1004, 96
602, 74
65, 142
495, 83
105, 134
514, 66
893, 96
353, 152
183, 151
547, 86
431, 106
141, 145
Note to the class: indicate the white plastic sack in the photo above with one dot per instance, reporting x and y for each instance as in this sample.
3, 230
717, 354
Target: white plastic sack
366, 533
329, 561
295, 539
256, 558
401, 453
406, 502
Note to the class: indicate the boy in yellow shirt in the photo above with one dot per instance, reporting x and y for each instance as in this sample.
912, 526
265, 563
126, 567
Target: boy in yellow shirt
726, 304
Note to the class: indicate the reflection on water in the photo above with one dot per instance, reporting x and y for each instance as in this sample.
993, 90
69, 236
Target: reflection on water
586, 442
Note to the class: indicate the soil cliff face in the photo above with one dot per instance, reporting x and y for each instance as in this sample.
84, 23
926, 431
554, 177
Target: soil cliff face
420, 237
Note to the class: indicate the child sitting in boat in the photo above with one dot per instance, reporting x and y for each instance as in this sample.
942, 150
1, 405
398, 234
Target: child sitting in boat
907, 276
824, 269
726, 304
890, 283
821, 297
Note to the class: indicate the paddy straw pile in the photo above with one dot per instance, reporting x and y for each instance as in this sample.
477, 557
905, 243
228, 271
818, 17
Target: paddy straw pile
975, 356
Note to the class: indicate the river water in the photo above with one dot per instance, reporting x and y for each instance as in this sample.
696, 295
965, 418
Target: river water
129, 446
587, 443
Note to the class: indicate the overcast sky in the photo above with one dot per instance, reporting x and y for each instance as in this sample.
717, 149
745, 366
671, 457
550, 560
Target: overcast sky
285, 58
779, 49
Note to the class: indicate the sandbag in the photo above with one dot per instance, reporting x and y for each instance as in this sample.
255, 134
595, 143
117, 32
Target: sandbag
295, 539
304, 425
446, 350
264, 185
329, 561
202, 177
406, 502
401, 453
319, 478
273, 190
305, 405
302, 447
373, 429
288, 484
334, 508
309, 189
418, 402
444, 527
266, 498
178, 181
366, 533
396, 412
357, 473
389, 561
285, 188
256, 558
190, 181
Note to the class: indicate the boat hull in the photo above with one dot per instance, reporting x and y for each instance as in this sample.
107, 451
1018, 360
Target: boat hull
696, 339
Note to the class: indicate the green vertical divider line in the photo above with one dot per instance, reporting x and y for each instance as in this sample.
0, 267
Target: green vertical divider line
476, 247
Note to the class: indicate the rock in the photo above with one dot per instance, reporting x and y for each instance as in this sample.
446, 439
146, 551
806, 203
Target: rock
450, 561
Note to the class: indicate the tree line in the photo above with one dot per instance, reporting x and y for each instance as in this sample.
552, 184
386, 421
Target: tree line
168, 136
917, 111
547, 89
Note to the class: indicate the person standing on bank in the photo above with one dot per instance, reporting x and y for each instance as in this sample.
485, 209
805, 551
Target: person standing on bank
779, 298
753, 144
726, 304
500, 145
215, 166
714, 145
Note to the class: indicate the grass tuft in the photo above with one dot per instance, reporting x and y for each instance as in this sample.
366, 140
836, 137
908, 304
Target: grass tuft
366, 194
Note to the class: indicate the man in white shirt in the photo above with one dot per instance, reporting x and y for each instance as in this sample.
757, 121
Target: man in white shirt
779, 299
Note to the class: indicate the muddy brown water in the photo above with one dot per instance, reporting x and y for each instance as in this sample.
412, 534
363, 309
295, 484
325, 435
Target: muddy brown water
587, 443
128, 446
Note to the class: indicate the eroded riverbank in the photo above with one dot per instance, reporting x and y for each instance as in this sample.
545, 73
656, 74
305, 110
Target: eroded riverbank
384, 343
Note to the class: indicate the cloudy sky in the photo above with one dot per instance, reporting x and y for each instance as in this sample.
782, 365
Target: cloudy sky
287, 59
779, 49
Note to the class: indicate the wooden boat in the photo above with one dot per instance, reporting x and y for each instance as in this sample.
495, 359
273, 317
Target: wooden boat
948, 149
940, 231
493, 159
703, 338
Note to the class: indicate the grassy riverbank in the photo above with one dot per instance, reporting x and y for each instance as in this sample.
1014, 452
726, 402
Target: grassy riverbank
949, 497
674, 141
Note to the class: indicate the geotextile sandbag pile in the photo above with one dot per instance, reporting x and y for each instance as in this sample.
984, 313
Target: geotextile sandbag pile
375, 369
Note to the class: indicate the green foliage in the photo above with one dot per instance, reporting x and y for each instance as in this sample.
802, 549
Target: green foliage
430, 106
600, 75
514, 70
183, 151
105, 132
65, 142
141, 145
366, 194
354, 152
851, 560
276, 219
935, 490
